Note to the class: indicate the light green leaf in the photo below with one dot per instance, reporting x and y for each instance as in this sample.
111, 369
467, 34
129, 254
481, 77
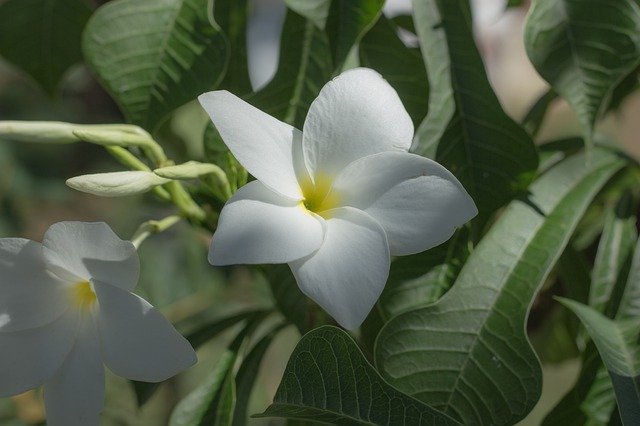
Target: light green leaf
468, 354
328, 379
617, 342
304, 67
153, 56
493, 157
43, 36
211, 403
615, 247
584, 48
382, 50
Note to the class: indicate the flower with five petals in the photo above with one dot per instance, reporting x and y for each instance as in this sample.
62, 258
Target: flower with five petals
66, 309
336, 200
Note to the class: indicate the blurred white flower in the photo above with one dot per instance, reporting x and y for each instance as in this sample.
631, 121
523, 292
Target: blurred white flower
66, 308
338, 199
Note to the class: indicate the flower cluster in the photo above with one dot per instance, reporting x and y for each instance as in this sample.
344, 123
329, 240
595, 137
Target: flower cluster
336, 200
66, 310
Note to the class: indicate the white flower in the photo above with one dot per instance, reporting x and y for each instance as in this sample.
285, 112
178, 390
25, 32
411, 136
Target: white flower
66, 308
336, 200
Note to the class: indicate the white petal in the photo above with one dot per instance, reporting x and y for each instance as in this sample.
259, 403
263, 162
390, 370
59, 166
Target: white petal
418, 202
348, 273
30, 357
75, 394
261, 143
84, 251
137, 342
116, 184
356, 114
259, 226
29, 295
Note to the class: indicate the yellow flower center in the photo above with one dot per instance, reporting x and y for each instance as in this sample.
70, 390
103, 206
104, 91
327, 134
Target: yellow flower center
83, 295
318, 197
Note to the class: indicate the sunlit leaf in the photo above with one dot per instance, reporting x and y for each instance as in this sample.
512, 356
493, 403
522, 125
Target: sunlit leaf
468, 354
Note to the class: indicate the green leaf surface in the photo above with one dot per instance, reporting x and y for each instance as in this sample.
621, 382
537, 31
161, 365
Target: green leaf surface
153, 56
382, 50
584, 48
536, 114
328, 379
291, 302
217, 152
493, 157
42, 37
468, 354
304, 67
617, 342
316, 11
217, 390
347, 23
615, 247
231, 16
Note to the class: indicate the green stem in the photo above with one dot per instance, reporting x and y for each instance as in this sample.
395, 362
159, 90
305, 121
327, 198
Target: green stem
151, 227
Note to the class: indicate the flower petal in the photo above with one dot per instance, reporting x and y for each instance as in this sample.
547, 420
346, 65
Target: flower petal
84, 251
259, 226
418, 202
356, 114
75, 394
137, 342
348, 273
262, 144
29, 295
30, 357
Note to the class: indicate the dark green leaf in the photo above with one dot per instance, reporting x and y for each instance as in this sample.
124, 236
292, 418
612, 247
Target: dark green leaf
623, 90
153, 56
316, 11
291, 302
304, 67
468, 353
617, 342
382, 50
535, 116
231, 15
584, 48
493, 157
328, 379
43, 36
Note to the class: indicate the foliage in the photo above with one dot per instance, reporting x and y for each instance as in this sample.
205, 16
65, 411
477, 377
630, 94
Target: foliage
459, 332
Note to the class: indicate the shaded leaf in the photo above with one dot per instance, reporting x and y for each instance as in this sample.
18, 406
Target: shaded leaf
153, 56
468, 354
382, 50
491, 155
231, 16
42, 37
584, 48
328, 379
535, 116
316, 11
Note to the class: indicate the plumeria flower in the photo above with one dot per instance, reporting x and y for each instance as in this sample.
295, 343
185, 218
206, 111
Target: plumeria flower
336, 200
66, 308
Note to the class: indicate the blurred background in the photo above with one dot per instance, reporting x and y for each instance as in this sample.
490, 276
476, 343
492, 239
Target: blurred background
175, 274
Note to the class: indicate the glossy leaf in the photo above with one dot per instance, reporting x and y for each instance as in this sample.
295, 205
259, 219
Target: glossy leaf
304, 67
42, 37
617, 342
328, 379
584, 48
153, 56
468, 354
491, 155
382, 50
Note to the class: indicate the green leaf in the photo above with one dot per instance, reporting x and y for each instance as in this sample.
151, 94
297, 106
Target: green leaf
316, 11
328, 379
247, 374
304, 67
153, 56
347, 23
217, 152
489, 153
616, 244
382, 50
217, 391
468, 354
42, 37
535, 116
584, 48
617, 342
231, 16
